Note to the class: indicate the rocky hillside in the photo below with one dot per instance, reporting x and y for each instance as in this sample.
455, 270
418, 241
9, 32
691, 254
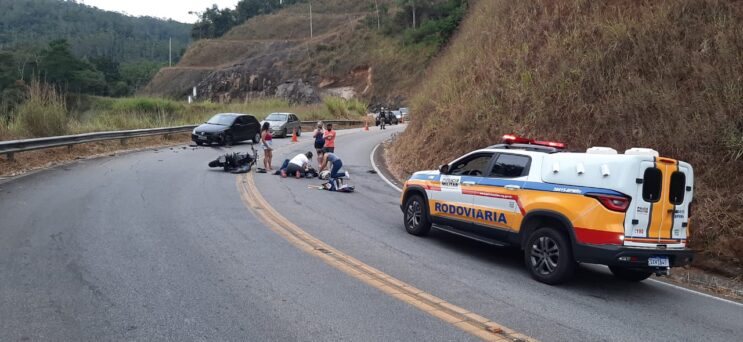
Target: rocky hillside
659, 74
274, 54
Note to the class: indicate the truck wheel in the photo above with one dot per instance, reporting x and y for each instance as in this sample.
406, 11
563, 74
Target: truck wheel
629, 274
548, 256
416, 217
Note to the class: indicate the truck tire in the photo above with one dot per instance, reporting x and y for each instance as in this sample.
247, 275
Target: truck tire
548, 256
416, 216
630, 274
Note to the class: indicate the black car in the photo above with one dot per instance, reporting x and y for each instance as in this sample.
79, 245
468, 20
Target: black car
226, 129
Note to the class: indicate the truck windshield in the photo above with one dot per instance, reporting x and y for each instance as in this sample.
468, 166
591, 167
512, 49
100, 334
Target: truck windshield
276, 117
222, 120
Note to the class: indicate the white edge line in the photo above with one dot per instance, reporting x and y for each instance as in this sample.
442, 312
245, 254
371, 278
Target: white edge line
381, 175
376, 169
697, 292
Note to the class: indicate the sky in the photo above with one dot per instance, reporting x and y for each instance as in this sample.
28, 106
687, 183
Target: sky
169, 9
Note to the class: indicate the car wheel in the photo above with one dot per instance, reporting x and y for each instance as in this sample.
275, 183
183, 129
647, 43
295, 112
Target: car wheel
299, 131
257, 138
228, 140
416, 217
630, 274
283, 133
548, 256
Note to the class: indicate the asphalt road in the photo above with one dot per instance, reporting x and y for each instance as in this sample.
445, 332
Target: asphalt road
155, 246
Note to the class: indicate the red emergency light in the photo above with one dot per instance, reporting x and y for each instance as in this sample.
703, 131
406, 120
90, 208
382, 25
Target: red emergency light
515, 139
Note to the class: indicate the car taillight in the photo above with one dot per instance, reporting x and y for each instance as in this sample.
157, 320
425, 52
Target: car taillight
614, 203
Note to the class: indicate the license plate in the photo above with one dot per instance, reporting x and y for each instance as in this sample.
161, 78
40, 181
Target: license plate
658, 261
202, 137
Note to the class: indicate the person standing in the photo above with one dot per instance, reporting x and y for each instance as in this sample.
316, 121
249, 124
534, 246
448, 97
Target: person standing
319, 137
382, 119
329, 137
266, 142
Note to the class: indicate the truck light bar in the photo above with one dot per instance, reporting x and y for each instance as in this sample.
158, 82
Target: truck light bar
515, 139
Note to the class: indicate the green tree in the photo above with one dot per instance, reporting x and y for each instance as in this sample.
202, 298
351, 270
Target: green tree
214, 22
61, 68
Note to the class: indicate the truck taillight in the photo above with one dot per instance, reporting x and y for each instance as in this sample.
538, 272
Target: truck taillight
613, 203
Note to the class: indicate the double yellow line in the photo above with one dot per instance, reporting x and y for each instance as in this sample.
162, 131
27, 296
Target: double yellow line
468, 321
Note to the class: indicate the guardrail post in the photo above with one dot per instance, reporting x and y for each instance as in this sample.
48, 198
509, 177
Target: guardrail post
10, 157
69, 148
123, 141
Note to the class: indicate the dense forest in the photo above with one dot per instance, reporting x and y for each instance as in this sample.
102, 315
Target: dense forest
90, 31
80, 49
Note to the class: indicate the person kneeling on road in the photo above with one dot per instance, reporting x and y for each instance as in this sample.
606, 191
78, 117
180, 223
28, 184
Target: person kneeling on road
334, 164
297, 165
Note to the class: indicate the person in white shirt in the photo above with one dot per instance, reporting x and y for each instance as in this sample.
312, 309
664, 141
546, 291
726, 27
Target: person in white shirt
297, 165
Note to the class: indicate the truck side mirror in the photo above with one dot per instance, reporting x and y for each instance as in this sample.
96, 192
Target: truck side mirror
444, 169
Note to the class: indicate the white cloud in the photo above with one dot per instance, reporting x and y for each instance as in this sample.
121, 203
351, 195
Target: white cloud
176, 10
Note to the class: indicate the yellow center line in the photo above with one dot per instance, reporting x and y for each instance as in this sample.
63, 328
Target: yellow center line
461, 318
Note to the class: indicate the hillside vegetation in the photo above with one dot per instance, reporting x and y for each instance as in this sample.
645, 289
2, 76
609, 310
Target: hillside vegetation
381, 60
659, 74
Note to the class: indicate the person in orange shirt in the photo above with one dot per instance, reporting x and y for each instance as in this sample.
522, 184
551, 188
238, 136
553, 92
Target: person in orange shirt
329, 136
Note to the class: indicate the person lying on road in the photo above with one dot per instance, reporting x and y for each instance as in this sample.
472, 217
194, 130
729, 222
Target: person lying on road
297, 165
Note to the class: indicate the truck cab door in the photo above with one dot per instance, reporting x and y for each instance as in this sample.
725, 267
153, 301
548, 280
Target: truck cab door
453, 204
497, 196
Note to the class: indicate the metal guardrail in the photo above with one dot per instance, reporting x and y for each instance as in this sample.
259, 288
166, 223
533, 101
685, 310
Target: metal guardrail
335, 122
9, 148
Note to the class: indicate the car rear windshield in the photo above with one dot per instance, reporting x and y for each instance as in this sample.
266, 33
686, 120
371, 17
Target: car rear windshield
678, 187
276, 117
652, 184
221, 119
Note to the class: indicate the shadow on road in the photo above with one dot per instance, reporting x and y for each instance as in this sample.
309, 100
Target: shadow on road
588, 279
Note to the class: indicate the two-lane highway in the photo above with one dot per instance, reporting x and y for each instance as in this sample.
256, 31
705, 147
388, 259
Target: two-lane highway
155, 246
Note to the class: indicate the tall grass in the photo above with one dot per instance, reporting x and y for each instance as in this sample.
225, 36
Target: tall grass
342, 108
44, 113
658, 74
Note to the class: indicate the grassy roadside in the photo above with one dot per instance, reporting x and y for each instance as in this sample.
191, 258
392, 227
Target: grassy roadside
48, 113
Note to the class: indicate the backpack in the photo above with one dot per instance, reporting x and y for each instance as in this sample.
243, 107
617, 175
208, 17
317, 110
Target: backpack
319, 140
